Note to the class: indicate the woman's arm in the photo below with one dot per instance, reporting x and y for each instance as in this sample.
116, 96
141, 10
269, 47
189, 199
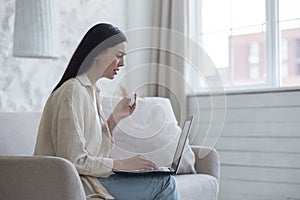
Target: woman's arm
69, 142
112, 123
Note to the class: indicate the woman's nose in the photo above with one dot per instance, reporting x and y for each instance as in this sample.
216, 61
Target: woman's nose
121, 62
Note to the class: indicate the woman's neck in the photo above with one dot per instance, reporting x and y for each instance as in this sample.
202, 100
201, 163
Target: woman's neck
92, 77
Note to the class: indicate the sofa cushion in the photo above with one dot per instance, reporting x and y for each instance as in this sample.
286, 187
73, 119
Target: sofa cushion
151, 130
197, 186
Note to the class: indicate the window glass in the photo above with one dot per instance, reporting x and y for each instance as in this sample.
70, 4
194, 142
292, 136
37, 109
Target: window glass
233, 37
247, 63
289, 25
284, 58
242, 13
288, 9
215, 16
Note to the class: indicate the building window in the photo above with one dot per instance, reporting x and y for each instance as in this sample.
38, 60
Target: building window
253, 60
298, 56
284, 58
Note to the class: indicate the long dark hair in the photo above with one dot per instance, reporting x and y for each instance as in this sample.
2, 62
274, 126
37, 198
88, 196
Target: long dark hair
99, 38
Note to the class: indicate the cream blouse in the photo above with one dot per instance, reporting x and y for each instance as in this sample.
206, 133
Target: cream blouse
73, 127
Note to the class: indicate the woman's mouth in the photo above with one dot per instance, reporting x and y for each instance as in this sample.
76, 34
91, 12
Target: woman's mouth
116, 71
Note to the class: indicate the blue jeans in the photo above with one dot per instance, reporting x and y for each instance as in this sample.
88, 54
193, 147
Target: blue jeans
139, 187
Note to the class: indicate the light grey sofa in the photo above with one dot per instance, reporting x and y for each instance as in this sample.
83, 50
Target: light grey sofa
23, 176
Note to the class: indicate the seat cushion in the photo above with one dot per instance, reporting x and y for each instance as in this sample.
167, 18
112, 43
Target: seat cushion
197, 186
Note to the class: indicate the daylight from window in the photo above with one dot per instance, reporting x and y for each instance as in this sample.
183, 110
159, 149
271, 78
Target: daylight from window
233, 34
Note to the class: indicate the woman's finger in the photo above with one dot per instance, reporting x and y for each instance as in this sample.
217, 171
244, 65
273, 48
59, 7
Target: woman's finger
148, 162
150, 165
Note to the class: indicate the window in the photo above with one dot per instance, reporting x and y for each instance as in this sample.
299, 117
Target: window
253, 43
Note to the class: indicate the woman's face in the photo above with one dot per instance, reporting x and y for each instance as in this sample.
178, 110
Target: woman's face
112, 59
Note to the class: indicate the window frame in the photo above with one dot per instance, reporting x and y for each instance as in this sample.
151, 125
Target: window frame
272, 40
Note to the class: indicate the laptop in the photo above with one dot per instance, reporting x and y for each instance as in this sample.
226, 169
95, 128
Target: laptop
177, 156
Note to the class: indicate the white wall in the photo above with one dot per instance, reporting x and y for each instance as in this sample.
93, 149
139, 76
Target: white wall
259, 144
26, 83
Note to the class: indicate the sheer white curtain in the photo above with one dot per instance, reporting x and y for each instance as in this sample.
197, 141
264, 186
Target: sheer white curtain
160, 35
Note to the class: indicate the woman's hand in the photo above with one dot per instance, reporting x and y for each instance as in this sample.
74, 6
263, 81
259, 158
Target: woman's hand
121, 111
134, 163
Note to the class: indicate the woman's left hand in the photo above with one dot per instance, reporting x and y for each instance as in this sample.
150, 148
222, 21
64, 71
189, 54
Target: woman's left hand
121, 111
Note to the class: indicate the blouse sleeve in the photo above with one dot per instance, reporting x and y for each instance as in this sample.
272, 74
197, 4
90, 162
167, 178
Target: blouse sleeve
71, 144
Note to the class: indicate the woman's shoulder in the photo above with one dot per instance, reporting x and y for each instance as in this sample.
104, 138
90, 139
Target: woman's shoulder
64, 99
66, 87
69, 90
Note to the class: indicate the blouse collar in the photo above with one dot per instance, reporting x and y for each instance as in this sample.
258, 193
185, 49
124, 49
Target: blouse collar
84, 80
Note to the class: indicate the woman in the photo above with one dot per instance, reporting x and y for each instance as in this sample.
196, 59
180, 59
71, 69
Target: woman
73, 125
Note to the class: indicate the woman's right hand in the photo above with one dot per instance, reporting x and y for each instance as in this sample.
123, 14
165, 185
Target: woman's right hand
134, 163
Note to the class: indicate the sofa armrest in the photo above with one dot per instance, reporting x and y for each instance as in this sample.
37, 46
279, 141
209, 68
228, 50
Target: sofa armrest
39, 177
207, 161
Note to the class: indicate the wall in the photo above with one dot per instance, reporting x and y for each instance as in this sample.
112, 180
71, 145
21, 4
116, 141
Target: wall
259, 144
26, 83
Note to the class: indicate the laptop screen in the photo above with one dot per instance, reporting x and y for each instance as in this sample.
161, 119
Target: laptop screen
181, 143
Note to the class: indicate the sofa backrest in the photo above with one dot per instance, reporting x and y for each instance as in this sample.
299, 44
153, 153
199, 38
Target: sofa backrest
18, 131
151, 130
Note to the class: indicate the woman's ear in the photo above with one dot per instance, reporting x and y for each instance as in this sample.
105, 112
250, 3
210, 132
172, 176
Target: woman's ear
97, 59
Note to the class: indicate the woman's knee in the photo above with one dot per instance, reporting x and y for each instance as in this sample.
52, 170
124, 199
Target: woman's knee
170, 190
172, 182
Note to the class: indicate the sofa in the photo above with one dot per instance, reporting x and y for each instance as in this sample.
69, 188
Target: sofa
23, 176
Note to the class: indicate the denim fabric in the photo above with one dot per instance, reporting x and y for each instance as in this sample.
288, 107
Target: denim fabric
141, 187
